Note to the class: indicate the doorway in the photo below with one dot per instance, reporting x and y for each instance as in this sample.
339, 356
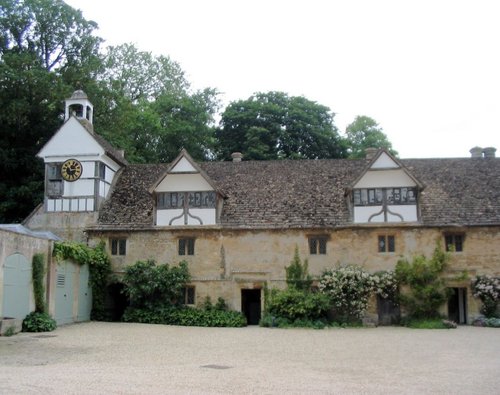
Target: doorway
457, 305
250, 305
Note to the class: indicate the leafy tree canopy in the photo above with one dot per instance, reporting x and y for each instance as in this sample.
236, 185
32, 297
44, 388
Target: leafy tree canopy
274, 125
365, 133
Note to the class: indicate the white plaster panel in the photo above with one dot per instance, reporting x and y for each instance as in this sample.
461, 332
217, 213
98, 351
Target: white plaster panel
50, 205
408, 212
183, 165
71, 140
65, 204
88, 169
384, 162
110, 163
82, 205
109, 175
385, 179
183, 183
90, 204
361, 214
58, 204
75, 205
79, 188
207, 215
163, 217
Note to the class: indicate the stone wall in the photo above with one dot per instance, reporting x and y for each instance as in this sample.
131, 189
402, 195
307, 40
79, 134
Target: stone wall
227, 261
15, 243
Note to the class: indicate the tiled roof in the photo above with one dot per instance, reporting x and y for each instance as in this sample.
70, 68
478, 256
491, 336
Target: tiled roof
311, 193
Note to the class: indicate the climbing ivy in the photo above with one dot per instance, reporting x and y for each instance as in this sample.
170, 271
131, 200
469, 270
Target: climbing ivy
37, 274
99, 266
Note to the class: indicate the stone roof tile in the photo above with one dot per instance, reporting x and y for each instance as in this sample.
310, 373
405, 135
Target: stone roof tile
311, 193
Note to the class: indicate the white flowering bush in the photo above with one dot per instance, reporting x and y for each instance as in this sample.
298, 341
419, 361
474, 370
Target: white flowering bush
349, 288
386, 285
487, 288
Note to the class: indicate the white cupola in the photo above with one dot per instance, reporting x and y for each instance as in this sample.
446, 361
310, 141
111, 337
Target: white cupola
79, 106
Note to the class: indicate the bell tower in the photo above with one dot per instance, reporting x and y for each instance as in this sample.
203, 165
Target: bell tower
79, 106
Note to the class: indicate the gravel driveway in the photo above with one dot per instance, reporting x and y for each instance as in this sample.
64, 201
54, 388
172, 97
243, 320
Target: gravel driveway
116, 358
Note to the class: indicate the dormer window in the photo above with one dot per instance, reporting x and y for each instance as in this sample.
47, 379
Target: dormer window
378, 196
385, 192
178, 200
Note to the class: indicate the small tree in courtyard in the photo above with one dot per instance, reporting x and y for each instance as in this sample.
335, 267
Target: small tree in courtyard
426, 290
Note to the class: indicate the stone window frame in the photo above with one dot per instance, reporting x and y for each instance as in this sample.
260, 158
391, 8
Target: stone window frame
454, 241
317, 244
386, 243
118, 246
189, 295
186, 245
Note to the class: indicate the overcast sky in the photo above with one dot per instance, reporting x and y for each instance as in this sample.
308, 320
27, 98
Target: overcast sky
427, 71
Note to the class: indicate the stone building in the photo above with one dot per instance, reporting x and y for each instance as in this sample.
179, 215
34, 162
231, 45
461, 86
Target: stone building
237, 223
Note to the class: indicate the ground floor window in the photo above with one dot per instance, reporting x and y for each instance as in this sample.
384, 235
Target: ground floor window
118, 246
454, 242
186, 246
189, 293
386, 243
317, 245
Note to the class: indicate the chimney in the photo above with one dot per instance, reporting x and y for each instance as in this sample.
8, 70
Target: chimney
237, 156
370, 152
489, 152
476, 152
121, 152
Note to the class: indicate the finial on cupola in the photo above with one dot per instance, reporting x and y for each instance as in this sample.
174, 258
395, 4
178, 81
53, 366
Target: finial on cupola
79, 106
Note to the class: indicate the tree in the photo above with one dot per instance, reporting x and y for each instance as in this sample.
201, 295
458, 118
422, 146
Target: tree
54, 32
297, 275
274, 125
39, 41
148, 108
365, 133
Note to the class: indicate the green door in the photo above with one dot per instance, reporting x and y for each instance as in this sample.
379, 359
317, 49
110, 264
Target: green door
64, 293
16, 286
84, 295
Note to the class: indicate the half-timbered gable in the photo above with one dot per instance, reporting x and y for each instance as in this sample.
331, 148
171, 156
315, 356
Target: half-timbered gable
385, 192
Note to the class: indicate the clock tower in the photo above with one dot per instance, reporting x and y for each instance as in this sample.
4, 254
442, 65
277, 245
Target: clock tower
80, 167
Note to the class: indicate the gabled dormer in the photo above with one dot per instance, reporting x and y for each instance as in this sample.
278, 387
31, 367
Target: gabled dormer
80, 166
385, 192
185, 195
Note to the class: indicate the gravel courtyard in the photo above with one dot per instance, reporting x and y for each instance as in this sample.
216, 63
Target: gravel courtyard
116, 358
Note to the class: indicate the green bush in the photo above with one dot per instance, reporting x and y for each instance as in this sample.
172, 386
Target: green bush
38, 322
270, 321
293, 304
297, 275
37, 275
185, 316
430, 323
426, 289
152, 286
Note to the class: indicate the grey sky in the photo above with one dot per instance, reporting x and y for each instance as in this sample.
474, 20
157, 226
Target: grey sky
427, 71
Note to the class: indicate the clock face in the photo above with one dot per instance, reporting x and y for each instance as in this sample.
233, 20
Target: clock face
71, 170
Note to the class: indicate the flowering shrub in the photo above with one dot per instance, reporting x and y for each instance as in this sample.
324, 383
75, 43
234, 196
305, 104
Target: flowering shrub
487, 288
386, 285
349, 289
